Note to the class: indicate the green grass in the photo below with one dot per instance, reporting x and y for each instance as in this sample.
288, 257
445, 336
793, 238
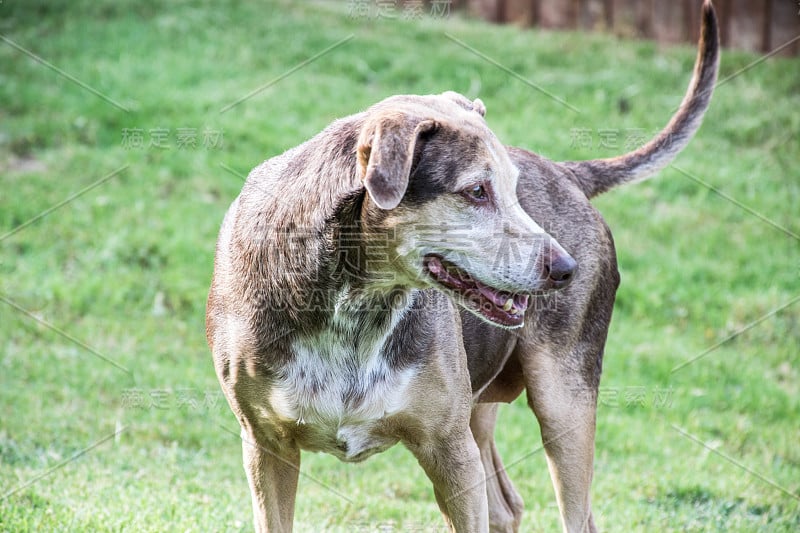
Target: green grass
124, 268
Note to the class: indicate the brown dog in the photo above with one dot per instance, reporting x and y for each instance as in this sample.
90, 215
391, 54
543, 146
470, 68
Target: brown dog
557, 357
326, 332
331, 314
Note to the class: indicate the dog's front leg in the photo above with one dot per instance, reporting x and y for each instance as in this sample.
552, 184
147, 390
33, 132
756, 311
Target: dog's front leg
272, 475
505, 503
566, 409
454, 467
569, 448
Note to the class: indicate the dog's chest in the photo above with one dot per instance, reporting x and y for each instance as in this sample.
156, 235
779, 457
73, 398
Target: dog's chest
338, 388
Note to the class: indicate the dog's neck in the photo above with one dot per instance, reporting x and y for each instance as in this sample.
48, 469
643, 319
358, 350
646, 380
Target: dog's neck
364, 320
367, 297
334, 278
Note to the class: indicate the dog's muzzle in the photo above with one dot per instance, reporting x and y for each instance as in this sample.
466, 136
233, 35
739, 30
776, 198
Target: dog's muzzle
499, 307
502, 308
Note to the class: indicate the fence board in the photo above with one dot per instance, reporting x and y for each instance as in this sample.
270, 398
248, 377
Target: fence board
756, 25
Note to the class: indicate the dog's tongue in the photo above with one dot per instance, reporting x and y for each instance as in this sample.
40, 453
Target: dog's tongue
501, 298
498, 298
508, 302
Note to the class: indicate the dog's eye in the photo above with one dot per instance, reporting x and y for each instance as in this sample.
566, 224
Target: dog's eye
476, 192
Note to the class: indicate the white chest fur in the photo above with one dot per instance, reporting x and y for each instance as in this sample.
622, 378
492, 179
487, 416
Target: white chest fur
339, 385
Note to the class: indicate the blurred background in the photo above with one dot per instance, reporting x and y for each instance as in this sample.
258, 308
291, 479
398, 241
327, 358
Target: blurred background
128, 127
755, 25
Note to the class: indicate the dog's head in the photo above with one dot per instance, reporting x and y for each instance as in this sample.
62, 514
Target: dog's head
443, 183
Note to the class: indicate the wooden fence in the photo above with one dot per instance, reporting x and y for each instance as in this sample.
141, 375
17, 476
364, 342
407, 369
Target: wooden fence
756, 25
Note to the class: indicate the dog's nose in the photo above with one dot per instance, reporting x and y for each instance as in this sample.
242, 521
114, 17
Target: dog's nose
560, 269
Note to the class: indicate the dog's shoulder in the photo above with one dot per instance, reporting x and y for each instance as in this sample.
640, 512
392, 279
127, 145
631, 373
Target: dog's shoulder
315, 168
549, 195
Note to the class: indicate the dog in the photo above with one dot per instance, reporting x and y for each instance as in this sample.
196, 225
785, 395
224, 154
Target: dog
332, 313
557, 357
387, 281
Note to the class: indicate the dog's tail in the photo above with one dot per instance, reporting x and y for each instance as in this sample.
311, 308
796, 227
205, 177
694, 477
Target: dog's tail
598, 176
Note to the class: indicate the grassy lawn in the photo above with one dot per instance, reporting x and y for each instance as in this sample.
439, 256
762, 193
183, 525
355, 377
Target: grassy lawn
111, 417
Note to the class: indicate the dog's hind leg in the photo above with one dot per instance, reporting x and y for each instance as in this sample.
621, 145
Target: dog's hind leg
565, 405
505, 504
272, 476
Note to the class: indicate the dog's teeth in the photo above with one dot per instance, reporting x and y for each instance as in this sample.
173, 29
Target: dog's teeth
508, 305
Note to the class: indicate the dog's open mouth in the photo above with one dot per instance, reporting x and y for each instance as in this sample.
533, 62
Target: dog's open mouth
499, 307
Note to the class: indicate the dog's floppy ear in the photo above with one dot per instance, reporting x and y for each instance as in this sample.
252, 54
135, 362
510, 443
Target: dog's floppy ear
476, 105
386, 153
